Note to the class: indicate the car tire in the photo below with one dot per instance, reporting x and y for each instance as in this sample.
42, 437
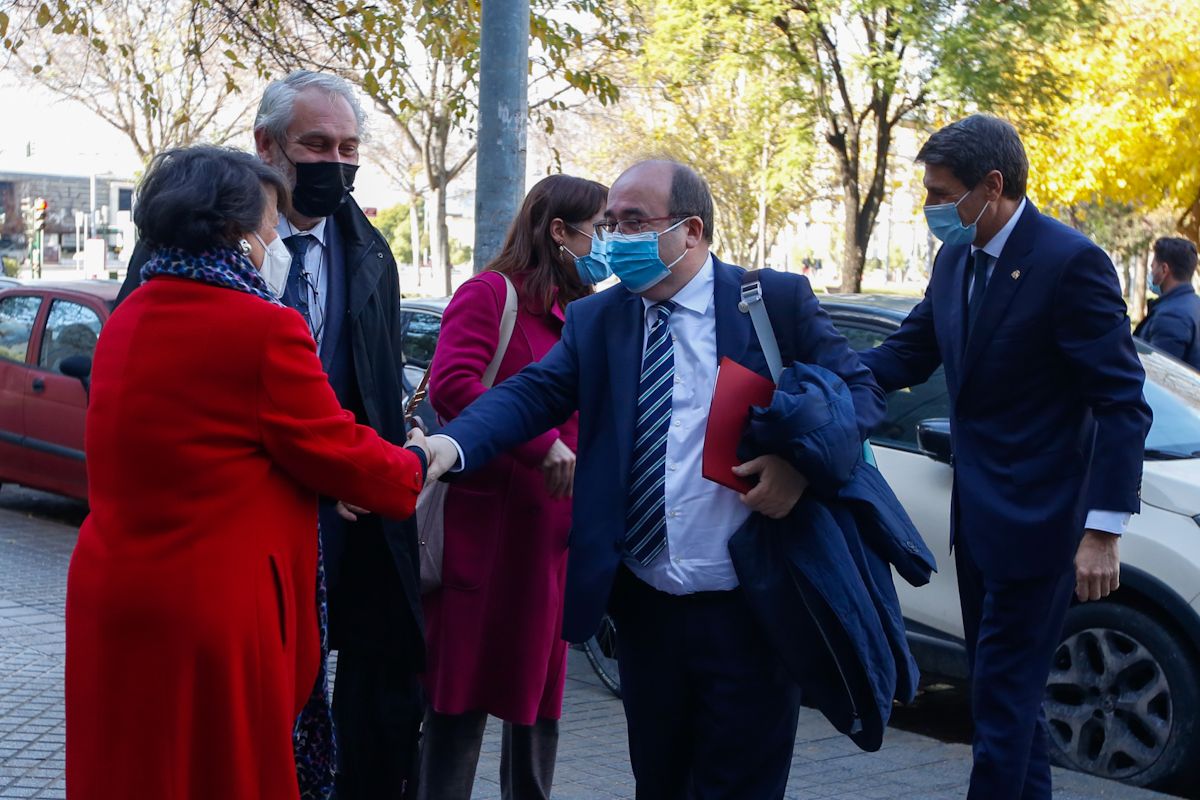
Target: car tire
1122, 700
601, 652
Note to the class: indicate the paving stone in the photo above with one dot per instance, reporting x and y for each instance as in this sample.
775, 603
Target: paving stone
593, 761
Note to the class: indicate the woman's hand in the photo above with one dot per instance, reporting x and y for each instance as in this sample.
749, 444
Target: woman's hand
416, 438
559, 469
350, 513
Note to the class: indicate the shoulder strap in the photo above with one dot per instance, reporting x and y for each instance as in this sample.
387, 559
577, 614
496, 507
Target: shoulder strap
752, 303
508, 323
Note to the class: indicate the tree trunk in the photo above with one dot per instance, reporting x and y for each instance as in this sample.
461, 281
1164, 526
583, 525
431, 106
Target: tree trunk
439, 236
414, 232
854, 257
760, 248
1137, 289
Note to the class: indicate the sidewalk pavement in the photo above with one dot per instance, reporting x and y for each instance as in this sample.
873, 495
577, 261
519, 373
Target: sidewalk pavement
593, 762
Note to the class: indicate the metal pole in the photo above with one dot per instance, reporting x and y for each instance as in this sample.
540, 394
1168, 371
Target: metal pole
503, 109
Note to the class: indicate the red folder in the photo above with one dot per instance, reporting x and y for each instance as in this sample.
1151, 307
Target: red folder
737, 389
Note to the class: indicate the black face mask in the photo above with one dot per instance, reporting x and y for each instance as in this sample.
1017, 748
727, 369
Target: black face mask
321, 186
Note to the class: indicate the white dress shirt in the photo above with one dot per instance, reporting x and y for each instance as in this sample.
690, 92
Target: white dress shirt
1108, 521
316, 269
701, 515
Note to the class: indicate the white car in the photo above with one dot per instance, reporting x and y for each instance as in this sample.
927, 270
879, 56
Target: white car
1123, 699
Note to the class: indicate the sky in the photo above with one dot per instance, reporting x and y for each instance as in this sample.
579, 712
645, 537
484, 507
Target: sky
68, 139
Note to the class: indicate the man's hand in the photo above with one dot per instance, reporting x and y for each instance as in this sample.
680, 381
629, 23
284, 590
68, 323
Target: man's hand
1097, 565
559, 469
350, 513
443, 455
779, 487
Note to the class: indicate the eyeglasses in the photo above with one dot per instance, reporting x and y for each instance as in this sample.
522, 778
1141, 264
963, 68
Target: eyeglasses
629, 227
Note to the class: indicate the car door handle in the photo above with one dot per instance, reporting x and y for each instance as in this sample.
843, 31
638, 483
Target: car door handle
39, 385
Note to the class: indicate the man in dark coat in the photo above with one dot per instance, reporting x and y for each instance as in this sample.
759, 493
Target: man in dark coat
1048, 424
343, 280
1172, 322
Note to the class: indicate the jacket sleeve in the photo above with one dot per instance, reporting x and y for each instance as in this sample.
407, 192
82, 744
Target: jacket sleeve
544, 395
1171, 332
818, 342
313, 439
1091, 330
910, 355
467, 343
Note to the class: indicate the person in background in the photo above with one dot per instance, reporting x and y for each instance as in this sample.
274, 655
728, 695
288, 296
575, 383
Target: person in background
493, 629
1172, 322
343, 280
192, 597
1048, 424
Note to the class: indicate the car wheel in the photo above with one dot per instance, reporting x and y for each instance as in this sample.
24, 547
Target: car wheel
601, 651
1122, 698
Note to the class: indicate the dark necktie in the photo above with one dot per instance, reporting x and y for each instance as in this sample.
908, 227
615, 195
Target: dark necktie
296, 292
646, 519
978, 287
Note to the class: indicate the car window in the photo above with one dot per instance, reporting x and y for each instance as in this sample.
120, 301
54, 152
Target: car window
71, 330
420, 338
906, 408
17, 315
1173, 391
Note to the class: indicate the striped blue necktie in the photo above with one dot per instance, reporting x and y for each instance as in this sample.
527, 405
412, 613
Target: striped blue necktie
646, 520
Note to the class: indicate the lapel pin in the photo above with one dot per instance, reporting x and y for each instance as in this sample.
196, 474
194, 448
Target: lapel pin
1016, 273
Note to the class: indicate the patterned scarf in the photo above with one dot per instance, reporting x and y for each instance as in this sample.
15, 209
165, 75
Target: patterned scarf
312, 735
220, 266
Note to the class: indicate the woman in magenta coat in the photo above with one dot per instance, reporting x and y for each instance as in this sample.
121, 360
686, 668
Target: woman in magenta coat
494, 627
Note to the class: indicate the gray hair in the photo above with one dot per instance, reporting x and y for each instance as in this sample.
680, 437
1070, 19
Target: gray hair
275, 110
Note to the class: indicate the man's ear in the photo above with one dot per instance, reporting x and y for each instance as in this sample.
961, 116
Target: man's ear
264, 146
695, 232
994, 185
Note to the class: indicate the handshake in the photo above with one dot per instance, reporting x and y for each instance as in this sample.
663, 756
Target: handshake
442, 455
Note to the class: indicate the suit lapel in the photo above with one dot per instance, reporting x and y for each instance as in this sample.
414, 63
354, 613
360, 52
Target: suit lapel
1008, 275
625, 324
335, 303
734, 328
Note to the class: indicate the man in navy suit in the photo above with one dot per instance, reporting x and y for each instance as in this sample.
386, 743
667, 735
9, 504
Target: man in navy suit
710, 711
1048, 425
1172, 323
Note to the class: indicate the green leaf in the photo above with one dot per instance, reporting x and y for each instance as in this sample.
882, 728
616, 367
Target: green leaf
43, 15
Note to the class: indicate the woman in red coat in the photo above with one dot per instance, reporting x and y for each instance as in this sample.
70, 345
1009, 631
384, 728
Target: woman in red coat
192, 616
494, 628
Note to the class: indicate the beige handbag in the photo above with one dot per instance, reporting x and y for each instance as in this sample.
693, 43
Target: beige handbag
430, 515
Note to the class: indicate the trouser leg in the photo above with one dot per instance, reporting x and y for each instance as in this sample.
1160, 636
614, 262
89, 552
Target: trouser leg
450, 745
527, 758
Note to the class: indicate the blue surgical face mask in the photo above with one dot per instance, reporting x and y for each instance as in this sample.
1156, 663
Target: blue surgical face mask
1156, 288
635, 260
593, 266
947, 225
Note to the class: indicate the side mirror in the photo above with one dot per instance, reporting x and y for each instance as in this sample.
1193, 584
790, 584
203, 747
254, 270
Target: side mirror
79, 367
76, 367
933, 439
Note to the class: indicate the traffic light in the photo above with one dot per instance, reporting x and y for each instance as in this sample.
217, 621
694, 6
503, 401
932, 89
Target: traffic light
39, 214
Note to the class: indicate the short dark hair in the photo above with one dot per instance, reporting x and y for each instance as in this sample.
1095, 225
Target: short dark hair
977, 145
691, 197
201, 197
1178, 254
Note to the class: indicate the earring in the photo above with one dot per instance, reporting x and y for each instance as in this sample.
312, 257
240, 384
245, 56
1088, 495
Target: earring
245, 247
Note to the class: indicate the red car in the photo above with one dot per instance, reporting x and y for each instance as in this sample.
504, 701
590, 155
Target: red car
48, 332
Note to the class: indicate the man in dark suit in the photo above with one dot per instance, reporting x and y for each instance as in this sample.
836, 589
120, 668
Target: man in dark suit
709, 709
1048, 425
1172, 322
343, 280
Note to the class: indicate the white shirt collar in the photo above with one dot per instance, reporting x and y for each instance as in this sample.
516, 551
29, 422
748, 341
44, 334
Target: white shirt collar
996, 246
697, 295
285, 228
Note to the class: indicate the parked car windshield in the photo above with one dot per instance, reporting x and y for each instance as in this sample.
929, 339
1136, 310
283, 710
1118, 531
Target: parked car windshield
1173, 392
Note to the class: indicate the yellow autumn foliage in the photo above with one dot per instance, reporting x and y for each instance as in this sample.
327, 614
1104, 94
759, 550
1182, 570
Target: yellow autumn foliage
1128, 130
